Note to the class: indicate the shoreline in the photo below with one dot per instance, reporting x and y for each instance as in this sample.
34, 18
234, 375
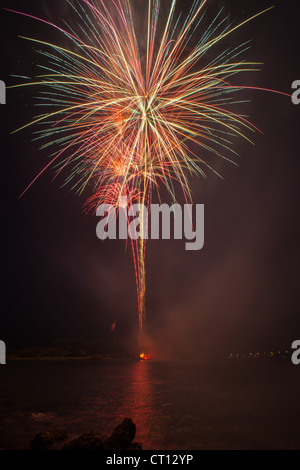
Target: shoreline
75, 358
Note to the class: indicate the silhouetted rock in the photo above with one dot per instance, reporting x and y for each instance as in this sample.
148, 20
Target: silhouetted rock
121, 439
122, 436
89, 441
46, 440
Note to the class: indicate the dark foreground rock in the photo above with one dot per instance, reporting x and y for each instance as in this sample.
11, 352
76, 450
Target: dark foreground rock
89, 441
46, 440
121, 438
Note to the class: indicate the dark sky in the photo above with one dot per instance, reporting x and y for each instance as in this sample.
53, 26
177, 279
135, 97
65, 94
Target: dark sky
239, 293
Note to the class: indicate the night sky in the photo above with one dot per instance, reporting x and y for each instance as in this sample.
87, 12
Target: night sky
240, 293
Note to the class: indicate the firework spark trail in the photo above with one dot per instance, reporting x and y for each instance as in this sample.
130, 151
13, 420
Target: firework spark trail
124, 119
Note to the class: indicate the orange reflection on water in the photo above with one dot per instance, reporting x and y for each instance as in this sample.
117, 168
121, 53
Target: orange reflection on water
140, 401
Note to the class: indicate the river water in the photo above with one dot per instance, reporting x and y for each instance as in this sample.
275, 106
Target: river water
223, 404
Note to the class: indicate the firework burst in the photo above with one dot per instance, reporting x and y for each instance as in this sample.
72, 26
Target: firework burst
126, 106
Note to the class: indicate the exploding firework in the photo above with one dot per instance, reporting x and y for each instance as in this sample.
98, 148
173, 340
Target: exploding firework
129, 109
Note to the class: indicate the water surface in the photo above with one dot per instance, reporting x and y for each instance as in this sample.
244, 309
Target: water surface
175, 405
